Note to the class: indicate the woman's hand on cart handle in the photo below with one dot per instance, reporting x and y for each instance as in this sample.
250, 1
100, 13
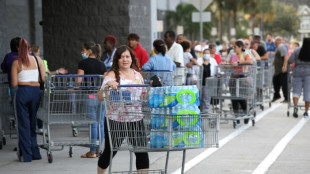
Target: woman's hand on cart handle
113, 84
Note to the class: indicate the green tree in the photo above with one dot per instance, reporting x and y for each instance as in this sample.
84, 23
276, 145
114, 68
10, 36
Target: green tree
183, 16
285, 22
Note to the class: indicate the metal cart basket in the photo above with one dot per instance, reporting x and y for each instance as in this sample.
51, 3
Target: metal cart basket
234, 83
134, 126
66, 101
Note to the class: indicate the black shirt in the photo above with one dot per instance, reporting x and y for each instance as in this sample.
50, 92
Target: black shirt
261, 51
206, 73
92, 66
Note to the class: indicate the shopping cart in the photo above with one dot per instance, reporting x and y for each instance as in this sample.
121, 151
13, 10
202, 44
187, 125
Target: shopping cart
268, 87
195, 76
6, 110
134, 126
66, 101
236, 83
260, 79
165, 76
179, 76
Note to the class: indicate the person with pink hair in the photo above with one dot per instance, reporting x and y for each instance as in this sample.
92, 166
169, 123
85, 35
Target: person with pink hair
25, 75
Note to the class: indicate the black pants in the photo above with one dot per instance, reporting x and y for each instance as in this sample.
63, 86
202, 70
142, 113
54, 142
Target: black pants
235, 105
142, 158
233, 89
279, 81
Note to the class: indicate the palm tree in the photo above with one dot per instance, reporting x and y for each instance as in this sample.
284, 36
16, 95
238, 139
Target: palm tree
183, 16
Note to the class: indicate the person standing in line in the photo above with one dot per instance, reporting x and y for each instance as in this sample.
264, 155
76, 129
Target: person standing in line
252, 52
258, 38
209, 70
192, 66
8, 60
25, 75
280, 73
259, 49
180, 39
231, 47
141, 54
271, 47
91, 65
160, 61
175, 50
294, 46
109, 47
200, 47
122, 73
239, 57
214, 55
301, 75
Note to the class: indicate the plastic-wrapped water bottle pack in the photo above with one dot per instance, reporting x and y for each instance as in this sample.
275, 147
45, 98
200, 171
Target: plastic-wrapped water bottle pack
175, 118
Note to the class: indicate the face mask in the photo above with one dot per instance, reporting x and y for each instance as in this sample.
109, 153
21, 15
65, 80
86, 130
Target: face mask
84, 56
206, 56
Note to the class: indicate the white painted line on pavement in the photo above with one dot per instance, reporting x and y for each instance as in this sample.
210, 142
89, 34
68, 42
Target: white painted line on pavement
278, 149
190, 164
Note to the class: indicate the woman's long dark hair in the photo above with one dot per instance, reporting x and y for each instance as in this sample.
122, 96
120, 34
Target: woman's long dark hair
160, 46
95, 48
304, 54
240, 44
118, 53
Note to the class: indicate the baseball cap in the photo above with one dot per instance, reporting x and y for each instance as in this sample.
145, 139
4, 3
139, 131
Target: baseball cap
257, 35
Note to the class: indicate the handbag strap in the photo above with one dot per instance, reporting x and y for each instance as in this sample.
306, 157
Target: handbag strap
38, 68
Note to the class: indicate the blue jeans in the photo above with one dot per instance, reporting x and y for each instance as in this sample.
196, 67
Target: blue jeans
92, 108
27, 104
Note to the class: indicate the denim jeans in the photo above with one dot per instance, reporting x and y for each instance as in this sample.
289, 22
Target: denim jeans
92, 108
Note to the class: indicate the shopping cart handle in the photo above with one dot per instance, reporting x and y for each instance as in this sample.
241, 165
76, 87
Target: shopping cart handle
120, 86
77, 75
157, 71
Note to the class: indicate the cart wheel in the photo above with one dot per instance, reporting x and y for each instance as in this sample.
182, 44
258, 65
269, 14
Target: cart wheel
254, 114
4, 141
288, 113
270, 104
70, 152
49, 157
1, 145
234, 124
253, 122
262, 107
75, 132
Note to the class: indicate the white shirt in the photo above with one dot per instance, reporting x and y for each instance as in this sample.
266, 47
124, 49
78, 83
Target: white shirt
176, 53
198, 48
213, 67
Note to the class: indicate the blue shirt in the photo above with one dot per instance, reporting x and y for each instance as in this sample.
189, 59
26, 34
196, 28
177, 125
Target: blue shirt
159, 62
6, 65
270, 46
108, 61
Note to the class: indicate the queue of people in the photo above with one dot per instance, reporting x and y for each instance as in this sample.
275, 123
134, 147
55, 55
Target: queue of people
122, 65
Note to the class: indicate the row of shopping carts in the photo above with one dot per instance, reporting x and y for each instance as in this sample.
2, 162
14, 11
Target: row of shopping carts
246, 86
66, 96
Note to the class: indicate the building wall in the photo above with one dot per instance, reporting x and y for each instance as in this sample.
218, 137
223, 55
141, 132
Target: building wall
19, 18
68, 24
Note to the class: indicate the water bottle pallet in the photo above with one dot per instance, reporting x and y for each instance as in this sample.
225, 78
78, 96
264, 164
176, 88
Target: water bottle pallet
161, 132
